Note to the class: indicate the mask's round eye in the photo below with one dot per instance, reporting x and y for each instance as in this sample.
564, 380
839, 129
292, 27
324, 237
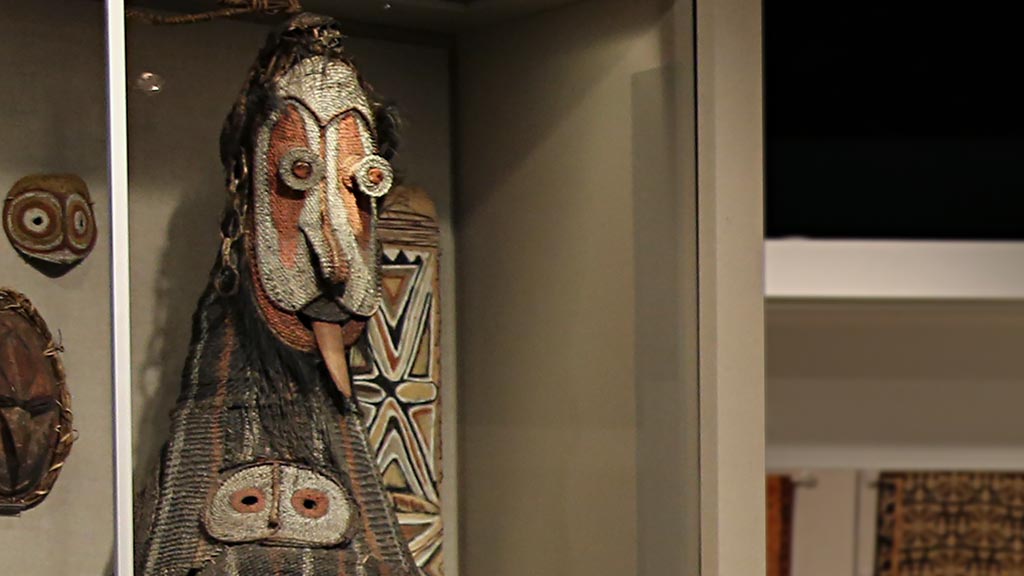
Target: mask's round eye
81, 225
311, 503
301, 169
374, 176
248, 500
33, 220
36, 220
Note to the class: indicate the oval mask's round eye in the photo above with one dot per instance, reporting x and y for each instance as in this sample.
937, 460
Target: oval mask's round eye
301, 169
81, 225
34, 221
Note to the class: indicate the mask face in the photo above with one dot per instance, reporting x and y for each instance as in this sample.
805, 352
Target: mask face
49, 219
282, 504
316, 179
35, 415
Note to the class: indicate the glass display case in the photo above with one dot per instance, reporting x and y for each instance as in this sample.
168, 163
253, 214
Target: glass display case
409, 287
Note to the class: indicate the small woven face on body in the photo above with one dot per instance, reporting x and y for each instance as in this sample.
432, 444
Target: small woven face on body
316, 178
49, 219
280, 503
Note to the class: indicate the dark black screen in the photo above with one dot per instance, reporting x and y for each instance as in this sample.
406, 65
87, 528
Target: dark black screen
894, 120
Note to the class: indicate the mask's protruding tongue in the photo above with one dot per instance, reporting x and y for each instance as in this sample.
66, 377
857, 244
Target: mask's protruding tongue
331, 342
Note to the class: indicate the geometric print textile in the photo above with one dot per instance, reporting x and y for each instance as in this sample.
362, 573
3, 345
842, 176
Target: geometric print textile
950, 524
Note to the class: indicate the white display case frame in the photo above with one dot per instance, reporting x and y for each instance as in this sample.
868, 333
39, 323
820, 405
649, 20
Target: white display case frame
117, 101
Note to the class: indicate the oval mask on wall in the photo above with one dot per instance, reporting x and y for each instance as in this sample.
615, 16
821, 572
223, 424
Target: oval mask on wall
50, 221
35, 406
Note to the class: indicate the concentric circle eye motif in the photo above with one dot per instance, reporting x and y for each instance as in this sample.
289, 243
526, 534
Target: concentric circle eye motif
374, 176
311, 503
301, 169
33, 221
250, 500
243, 508
81, 224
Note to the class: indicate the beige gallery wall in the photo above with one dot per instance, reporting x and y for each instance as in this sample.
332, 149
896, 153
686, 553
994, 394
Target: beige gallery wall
870, 381
576, 224
53, 119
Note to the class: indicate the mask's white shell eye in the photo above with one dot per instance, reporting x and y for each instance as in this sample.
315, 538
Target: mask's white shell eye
36, 220
301, 169
374, 176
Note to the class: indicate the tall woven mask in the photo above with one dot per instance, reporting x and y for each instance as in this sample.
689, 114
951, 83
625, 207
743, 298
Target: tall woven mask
35, 407
316, 177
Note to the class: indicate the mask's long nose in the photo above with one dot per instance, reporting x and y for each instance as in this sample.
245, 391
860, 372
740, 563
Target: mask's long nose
342, 237
340, 226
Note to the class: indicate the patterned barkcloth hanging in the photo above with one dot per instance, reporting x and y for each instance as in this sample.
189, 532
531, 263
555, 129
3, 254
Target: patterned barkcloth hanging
269, 468
780, 492
950, 524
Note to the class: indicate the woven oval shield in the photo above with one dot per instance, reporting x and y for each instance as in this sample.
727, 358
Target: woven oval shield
35, 406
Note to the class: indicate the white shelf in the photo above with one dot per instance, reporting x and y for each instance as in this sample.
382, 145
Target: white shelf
841, 269
894, 457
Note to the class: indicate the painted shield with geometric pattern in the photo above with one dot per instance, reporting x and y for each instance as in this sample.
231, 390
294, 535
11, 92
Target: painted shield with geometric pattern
396, 370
